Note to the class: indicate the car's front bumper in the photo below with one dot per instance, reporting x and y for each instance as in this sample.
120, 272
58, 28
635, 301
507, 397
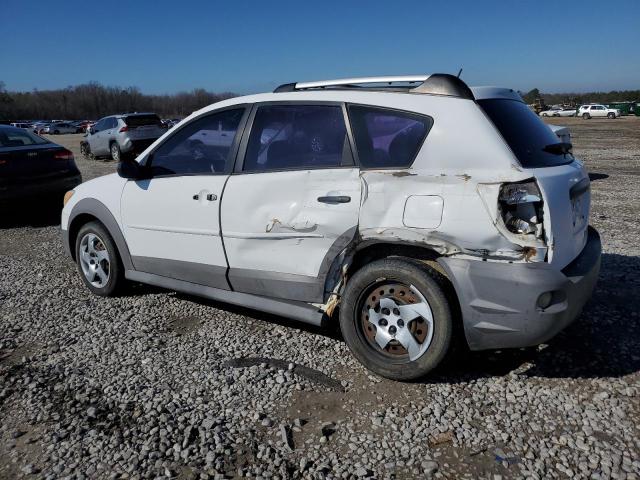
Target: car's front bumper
499, 300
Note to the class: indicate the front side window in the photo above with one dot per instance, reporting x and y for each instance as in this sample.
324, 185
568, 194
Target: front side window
297, 136
200, 147
387, 138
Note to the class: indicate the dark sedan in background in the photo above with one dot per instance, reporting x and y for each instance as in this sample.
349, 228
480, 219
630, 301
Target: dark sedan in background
32, 167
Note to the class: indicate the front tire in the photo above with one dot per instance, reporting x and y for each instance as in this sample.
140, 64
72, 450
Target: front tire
611, 115
586, 116
99, 263
396, 319
85, 150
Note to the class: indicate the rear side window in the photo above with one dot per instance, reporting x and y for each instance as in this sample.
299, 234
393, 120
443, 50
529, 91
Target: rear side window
527, 135
387, 138
285, 137
142, 120
200, 147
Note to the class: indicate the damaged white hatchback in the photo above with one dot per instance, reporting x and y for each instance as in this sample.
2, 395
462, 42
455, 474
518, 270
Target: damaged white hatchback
408, 209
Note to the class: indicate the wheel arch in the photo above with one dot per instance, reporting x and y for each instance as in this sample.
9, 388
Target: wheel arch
88, 210
360, 254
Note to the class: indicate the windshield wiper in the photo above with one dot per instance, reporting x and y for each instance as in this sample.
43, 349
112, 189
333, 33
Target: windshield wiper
561, 148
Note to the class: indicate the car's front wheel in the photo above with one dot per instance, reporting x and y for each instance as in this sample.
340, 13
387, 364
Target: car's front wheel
611, 115
85, 150
586, 116
396, 319
98, 261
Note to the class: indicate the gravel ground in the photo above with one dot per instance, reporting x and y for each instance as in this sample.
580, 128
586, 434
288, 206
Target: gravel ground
157, 384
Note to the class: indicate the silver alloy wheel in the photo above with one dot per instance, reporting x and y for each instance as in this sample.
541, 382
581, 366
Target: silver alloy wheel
94, 260
407, 325
115, 152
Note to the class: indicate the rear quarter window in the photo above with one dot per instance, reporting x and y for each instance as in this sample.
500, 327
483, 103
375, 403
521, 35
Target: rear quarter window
387, 138
525, 133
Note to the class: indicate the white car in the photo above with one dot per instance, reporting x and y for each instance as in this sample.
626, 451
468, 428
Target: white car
559, 112
589, 111
59, 128
567, 112
401, 210
26, 126
552, 112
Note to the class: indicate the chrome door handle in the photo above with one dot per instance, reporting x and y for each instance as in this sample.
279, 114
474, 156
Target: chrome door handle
212, 197
334, 199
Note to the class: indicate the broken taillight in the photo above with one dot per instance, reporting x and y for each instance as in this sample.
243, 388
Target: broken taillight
521, 206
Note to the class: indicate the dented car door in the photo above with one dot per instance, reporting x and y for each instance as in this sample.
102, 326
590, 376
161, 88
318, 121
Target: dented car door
293, 203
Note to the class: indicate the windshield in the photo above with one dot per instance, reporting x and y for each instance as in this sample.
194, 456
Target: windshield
16, 137
527, 135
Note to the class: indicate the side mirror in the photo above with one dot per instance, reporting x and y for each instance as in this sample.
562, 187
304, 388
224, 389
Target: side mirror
131, 170
91, 130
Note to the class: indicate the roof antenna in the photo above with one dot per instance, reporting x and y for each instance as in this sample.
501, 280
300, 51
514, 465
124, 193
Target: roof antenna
459, 72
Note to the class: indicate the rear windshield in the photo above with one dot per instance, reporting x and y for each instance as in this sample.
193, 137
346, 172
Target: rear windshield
525, 133
141, 120
15, 137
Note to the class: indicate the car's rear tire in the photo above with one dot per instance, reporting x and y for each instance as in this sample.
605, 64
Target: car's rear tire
545, 115
586, 116
611, 115
98, 260
374, 303
116, 154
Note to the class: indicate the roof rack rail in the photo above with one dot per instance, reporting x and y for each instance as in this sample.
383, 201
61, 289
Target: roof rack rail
434, 84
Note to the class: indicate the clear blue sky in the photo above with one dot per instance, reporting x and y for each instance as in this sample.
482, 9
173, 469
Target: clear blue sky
167, 46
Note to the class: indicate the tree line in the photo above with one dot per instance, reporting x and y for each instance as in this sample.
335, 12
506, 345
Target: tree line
93, 100
532, 96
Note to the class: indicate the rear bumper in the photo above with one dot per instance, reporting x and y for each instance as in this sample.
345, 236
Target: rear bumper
499, 300
38, 187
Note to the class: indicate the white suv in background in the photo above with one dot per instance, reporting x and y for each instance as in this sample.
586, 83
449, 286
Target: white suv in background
588, 111
120, 136
411, 210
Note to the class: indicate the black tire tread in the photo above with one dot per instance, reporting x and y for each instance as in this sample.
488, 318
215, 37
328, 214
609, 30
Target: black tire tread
116, 280
430, 283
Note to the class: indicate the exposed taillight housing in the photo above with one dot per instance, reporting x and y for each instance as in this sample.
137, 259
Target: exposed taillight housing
63, 155
521, 206
124, 129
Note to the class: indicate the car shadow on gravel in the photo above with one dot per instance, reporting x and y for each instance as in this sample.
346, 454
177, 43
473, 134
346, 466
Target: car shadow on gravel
330, 331
35, 213
594, 177
603, 342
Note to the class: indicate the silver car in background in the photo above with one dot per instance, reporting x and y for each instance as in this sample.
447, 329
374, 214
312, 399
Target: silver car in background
59, 128
122, 135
